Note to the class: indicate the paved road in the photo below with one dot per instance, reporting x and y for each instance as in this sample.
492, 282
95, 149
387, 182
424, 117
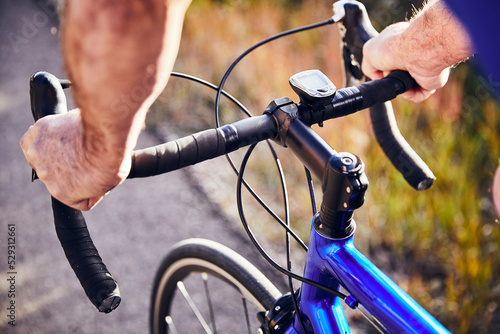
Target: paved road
133, 227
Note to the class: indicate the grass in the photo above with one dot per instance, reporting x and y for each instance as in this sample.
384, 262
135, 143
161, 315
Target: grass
445, 240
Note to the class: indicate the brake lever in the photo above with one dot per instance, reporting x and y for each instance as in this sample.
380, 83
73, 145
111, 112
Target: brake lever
355, 29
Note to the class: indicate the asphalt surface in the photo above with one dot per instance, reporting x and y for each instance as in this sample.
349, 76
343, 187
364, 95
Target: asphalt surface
133, 227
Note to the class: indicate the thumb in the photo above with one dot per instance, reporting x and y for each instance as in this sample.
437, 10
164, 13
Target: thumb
86, 204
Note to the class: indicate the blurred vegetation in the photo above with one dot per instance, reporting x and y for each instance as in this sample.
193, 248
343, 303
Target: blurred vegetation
442, 245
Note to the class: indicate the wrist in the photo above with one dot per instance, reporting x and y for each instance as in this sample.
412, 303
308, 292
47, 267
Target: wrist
434, 40
106, 152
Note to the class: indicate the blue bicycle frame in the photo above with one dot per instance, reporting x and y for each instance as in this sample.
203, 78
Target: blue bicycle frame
338, 263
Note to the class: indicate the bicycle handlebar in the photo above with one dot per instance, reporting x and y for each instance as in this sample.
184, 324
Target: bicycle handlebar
47, 98
201, 146
212, 143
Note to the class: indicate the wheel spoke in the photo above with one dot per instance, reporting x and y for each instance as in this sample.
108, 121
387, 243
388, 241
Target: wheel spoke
204, 276
170, 325
193, 307
245, 307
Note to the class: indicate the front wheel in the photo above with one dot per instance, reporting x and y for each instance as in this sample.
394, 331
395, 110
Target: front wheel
203, 286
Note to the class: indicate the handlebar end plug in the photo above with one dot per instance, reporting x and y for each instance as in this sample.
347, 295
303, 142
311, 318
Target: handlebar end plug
110, 303
108, 297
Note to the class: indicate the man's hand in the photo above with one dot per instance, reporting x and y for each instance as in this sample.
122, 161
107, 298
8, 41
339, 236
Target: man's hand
72, 171
382, 54
426, 46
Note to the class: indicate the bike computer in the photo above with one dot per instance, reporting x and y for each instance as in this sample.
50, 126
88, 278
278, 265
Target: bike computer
312, 86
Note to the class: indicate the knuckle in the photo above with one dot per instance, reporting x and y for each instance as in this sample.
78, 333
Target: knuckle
27, 138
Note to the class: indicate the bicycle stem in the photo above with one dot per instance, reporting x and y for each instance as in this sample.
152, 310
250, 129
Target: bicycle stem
342, 174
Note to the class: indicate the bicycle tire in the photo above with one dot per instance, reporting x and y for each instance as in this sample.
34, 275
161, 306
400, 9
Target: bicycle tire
222, 264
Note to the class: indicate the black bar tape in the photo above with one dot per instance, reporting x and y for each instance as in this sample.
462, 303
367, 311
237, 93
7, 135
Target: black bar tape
201, 146
396, 148
177, 154
47, 98
100, 287
385, 89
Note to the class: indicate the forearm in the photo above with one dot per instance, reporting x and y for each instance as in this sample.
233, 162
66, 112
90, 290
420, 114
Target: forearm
434, 39
119, 55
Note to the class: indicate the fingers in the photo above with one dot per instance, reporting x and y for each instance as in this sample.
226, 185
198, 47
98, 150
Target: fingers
496, 191
82, 205
36, 145
93, 202
54, 148
27, 138
25, 142
86, 204
427, 85
74, 194
418, 94
369, 70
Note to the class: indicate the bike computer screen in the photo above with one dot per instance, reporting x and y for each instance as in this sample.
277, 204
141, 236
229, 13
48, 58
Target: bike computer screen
312, 86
